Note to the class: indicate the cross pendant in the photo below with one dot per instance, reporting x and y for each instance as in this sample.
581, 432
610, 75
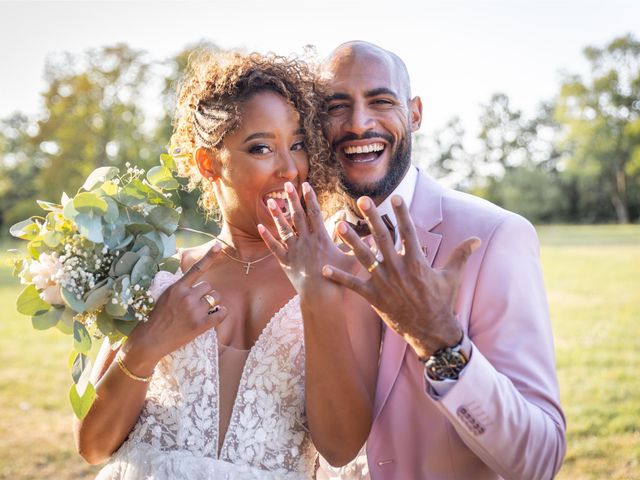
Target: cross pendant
247, 267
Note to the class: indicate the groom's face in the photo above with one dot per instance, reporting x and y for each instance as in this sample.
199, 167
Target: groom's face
370, 123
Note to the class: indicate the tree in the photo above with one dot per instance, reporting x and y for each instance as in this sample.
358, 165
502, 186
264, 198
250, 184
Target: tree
601, 114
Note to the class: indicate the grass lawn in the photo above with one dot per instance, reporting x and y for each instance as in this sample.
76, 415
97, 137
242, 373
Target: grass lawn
593, 281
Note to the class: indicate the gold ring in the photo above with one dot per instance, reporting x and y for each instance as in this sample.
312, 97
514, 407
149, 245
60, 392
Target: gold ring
210, 300
373, 266
288, 236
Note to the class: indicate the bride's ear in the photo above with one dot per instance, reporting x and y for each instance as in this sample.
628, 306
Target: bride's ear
207, 161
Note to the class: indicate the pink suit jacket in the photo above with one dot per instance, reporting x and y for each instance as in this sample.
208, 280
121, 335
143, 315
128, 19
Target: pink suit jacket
502, 419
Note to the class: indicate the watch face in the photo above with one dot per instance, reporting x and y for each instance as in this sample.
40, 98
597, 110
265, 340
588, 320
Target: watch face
446, 364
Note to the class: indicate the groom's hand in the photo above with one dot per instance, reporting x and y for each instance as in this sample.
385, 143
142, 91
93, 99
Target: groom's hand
412, 298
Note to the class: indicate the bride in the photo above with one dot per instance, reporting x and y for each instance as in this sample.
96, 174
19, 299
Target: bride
216, 384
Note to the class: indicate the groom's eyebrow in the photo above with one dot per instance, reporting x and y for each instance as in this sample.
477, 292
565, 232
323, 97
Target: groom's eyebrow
338, 96
380, 91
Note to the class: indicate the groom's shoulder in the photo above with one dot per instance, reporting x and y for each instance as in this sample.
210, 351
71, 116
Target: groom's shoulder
462, 210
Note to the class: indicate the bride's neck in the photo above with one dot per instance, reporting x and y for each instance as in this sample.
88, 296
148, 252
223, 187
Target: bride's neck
247, 246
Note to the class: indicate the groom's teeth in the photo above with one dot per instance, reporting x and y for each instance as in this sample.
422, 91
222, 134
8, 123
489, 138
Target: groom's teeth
373, 147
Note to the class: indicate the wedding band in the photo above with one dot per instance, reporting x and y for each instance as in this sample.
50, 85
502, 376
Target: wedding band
210, 300
373, 266
288, 236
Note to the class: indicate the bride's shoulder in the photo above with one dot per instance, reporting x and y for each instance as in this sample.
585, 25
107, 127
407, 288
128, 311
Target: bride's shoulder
189, 256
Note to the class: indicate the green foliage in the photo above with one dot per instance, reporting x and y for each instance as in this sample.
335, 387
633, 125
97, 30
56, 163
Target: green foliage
90, 261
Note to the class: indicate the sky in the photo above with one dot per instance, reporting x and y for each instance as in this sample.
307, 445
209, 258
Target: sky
458, 52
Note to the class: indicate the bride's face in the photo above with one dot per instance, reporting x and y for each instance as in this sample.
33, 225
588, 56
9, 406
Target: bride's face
255, 161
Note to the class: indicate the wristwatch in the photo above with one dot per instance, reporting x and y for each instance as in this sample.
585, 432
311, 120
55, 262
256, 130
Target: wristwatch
448, 362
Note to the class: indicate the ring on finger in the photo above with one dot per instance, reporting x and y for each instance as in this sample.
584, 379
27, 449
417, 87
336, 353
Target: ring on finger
288, 236
210, 300
373, 266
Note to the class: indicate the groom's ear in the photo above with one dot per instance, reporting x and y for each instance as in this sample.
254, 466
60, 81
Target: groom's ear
207, 161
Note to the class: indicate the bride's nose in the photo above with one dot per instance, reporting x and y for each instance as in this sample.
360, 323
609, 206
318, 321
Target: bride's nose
287, 166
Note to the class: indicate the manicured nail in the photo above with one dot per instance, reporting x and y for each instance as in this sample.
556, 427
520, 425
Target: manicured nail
271, 203
396, 200
327, 271
342, 228
365, 204
288, 187
306, 188
261, 228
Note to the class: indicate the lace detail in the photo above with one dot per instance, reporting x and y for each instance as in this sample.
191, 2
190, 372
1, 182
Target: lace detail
176, 435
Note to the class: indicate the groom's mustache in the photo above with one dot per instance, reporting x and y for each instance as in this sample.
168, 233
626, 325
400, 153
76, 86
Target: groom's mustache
365, 136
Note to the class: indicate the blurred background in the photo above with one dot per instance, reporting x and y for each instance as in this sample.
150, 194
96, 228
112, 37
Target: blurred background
532, 105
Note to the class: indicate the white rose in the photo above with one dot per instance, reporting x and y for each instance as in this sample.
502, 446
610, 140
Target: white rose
42, 273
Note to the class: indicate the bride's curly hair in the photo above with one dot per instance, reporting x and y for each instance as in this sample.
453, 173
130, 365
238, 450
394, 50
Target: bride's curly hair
209, 103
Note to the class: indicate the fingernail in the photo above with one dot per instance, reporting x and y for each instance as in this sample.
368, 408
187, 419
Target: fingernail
288, 187
327, 271
342, 228
365, 204
217, 246
306, 188
396, 200
261, 228
271, 203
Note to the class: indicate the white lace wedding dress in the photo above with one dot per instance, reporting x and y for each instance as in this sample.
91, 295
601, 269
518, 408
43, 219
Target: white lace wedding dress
176, 436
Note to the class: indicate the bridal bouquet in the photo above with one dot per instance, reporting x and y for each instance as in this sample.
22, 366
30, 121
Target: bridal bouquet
90, 260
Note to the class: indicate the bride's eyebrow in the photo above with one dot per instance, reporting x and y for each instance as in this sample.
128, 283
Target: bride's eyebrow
253, 136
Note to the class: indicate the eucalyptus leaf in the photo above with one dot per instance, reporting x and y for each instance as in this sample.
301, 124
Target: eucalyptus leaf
80, 364
82, 404
168, 161
114, 234
98, 296
81, 338
115, 309
168, 245
99, 176
65, 323
125, 327
143, 271
48, 319
69, 211
170, 264
52, 238
105, 324
75, 303
30, 303
164, 219
90, 227
125, 263
161, 177
26, 229
113, 212
86, 202
48, 206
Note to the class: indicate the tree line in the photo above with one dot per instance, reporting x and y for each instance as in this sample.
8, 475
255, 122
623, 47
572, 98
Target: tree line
576, 160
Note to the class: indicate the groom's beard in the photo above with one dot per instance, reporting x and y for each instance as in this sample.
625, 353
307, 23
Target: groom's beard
398, 166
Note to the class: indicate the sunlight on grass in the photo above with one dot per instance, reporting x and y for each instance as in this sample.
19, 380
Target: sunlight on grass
592, 276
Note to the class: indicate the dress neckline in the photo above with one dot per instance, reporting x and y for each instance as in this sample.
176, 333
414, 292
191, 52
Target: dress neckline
243, 376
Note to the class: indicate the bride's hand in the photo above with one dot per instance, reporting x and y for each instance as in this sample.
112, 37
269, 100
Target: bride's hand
304, 246
180, 315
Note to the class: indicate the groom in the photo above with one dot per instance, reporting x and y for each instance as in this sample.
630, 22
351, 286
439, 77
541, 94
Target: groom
467, 385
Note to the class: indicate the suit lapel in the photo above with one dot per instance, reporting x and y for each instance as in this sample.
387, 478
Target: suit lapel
426, 212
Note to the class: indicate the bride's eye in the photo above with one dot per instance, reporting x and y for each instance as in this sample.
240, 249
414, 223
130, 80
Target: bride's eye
259, 149
298, 146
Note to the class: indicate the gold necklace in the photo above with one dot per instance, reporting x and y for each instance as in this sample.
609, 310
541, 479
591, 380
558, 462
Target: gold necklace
247, 265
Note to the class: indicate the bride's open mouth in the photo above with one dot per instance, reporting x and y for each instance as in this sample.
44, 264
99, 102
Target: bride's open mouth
281, 201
